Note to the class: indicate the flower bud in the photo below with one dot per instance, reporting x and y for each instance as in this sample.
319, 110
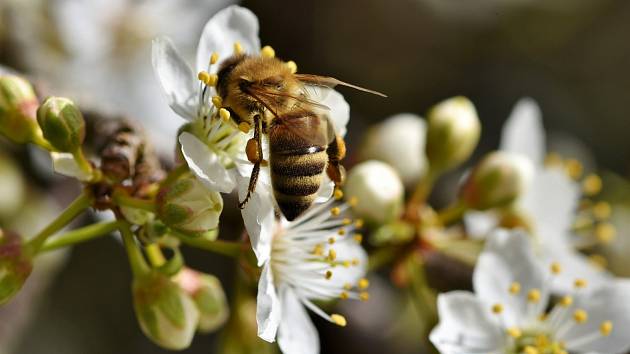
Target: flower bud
400, 142
453, 133
187, 206
497, 180
378, 189
207, 293
18, 104
166, 314
62, 124
15, 265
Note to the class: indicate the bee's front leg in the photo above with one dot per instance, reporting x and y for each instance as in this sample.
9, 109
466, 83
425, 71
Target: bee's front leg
254, 153
336, 152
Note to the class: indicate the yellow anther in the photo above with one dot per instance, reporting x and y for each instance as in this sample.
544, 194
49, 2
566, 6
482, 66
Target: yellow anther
328, 274
341, 232
344, 295
553, 159
606, 328
515, 288
363, 283
364, 296
338, 320
358, 238
224, 114
203, 76
217, 101
580, 283
346, 264
353, 201
602, 210
212, 80
331, 240
530, 350
556, 268
244, 127
292, 66
566, 301
318, 250
591, 185
347, 286
533, 296
497, 308
598, 261
332, 255
542, 317
238, 48
214, 58
335, 211
346, 221
359, 223
338, 194
605, 232
580, 316
355, 262
267, 52
573, 168
514, 332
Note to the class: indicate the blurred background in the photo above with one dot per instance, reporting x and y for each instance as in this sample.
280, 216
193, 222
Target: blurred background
570, 56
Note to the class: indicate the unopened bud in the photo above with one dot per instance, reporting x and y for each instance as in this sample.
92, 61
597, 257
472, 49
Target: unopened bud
400, 142
497, 180
165, 312
18, 107
207, 293
62, 124
187, 206
378, 191
453, 133
15, 265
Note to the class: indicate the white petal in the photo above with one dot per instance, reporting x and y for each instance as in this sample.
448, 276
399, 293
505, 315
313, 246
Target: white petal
550, 202
523, 132
176, 78
606, 303
339, 113
230, 25
574, 265
64, 163
297, 334
205, 164
268, 309
508, 257
465, 326
479, 224
258, 217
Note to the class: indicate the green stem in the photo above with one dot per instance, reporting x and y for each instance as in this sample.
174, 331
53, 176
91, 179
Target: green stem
83, 201
39, 140
139, 265
226, 248
124, 200
83, 163
422, 296
155, 255
452, 213
174, 174
80, 235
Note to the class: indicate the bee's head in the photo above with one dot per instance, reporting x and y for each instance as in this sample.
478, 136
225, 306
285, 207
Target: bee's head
224, 75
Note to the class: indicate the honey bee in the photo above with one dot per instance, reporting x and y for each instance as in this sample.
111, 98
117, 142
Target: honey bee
264, 93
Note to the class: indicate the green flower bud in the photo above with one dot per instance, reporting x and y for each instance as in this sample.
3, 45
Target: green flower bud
62, 124
378, 190
497, 180
166, 314
399, 141
208, 294
187, 206
15, 265
18, 106
453, 133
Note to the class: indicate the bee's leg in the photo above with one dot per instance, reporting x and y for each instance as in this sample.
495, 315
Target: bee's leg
336, 152
255, 156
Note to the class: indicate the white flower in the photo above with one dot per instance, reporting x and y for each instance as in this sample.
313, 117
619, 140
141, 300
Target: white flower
213, 150
509, 311
315, 257
98, 51
549, 203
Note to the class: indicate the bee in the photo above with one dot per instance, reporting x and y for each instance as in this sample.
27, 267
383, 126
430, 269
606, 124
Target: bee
264, 93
